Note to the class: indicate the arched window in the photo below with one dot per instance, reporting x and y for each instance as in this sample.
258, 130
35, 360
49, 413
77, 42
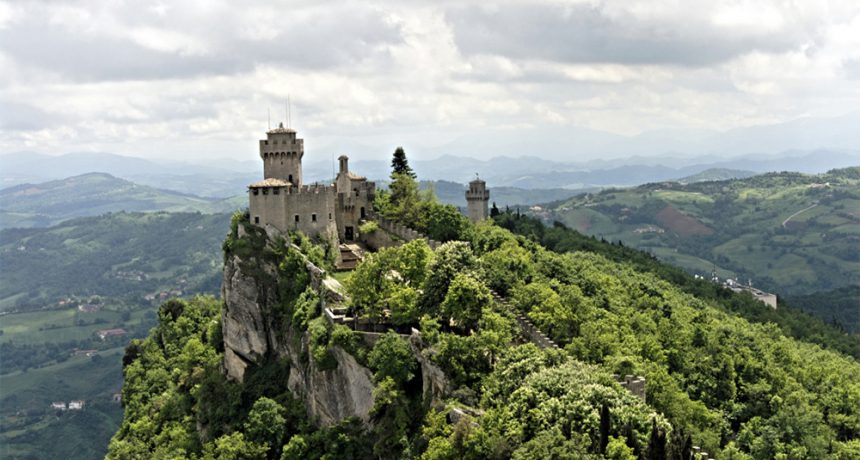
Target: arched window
290, 178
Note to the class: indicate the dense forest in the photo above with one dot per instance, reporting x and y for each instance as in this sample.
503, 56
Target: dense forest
720, 376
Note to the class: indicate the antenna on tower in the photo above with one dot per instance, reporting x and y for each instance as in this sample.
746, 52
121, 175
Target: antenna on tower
269, 117
289, 109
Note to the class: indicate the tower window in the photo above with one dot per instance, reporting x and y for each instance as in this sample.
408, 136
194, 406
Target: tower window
313, 217
329, 216
256, 191
363, 215
289, 179
265, 191
276, 191
256, 219
297, 218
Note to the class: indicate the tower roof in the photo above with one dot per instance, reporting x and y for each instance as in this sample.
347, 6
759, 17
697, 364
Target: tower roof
281, 130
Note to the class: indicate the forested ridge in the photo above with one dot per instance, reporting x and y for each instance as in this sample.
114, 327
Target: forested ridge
738, 388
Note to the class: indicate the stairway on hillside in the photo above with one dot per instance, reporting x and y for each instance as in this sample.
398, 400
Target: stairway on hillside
350, 256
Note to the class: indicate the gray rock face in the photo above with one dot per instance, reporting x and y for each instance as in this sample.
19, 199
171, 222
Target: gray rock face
329, 395
333, 395
246, 337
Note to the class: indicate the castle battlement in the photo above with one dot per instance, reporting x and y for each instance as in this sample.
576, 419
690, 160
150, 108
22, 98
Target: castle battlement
284, 202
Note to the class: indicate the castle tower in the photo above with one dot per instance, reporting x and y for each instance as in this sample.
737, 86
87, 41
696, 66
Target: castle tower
477, 198
282, 154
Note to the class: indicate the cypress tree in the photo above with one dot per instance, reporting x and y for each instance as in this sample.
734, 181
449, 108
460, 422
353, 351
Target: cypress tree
494, 211
605, 423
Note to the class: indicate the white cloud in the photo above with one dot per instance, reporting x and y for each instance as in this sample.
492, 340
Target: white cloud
157, 78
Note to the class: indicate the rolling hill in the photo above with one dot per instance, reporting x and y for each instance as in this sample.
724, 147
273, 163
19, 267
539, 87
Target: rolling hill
48, 203
790, 233
123, 256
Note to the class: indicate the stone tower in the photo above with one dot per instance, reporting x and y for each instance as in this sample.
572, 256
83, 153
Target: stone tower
477, 198
282, 155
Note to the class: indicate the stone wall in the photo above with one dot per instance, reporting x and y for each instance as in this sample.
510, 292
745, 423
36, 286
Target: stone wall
397, 234
530, 331
634, 384
310, 208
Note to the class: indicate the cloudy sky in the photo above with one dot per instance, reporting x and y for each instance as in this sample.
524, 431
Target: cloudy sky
195, 79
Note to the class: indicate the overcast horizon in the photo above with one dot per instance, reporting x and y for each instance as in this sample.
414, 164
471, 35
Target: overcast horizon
578, 79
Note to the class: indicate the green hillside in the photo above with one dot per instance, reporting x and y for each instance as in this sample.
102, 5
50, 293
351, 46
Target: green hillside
46, 204
789, 233
715, 174
61, 285
715, 380
121, 256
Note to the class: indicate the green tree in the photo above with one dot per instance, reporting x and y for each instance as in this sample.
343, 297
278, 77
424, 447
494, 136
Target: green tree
444, 222
465, 300
405, 204
617, 449
399, 164
266, 423
392, 357
450, 259
234, 447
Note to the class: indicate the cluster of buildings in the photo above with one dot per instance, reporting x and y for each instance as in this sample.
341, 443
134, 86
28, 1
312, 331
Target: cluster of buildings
767, 298
73, 405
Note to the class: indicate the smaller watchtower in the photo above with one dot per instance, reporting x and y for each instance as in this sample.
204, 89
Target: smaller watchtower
477, 199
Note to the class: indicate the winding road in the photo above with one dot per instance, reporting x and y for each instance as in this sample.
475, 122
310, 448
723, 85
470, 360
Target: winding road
798, 212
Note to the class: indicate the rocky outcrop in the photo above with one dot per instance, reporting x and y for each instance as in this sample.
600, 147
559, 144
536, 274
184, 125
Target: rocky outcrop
249, 294
251, 335
244, 324
333, 395
435, 385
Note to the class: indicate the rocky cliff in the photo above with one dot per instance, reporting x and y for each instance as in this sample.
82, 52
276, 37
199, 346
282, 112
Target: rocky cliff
251, 334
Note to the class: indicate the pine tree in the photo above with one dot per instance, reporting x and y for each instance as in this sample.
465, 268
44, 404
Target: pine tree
494, 211
399, 164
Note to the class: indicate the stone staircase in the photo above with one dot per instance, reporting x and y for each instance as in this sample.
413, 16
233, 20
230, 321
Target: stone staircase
350, 255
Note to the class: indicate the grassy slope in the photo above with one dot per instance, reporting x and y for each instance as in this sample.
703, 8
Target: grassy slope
816, 250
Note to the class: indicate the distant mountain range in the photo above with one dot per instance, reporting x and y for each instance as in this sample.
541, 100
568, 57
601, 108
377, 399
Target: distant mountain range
93, 194
225, 179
